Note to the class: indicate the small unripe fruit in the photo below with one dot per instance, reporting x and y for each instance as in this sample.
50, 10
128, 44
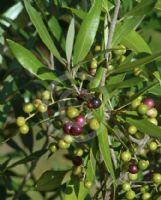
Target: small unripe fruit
120, 50
110, 68
58, 123
97, 48
37, 102
68, 139
157, 178
152, 113
153, 120
133, 168
149, 102
52, 148
63, 145
130, 195
28, 108
42, 108
77, 160
77, 170
93, 64
144, 188
126, 186
132, 130
153, 146
72, 112
146, 196
132, 177
143, 164
67, 127
46, 95
94, 124
126, 156
80, 120
88, 184
76, 130
135, 103
20, 121
78, 152
24, 129
137, 71
142, 109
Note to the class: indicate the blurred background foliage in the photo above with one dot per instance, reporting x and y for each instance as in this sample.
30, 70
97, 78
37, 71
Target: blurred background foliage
17, 85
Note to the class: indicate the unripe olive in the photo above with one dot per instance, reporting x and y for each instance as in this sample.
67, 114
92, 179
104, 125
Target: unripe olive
143, 164
46, 95
153, 120
142, 109
77, 170
42, 108
88, 184
132, 129
20, 121
94, 124
68, 139
24, 129
126, 156
146, 196
93, 64
63, 145
52, 148
135, 103
132, 177
152, 113
78, 152
72, 112
130, 195
153, 146
97, 48
28, 108
120, 50
126, 186
157, 178
37, 102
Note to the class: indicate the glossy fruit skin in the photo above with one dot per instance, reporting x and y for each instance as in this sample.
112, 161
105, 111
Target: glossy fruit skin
143, 164
132, 177
76, 130
20, 121
149, 102
24, 129
77, 161
88, 184
42, 108
144, 188
46, 95
94, 103
68, 139
93, 64
126, 156
126, 186
97, 48
67, 127
28, 108
80, 120
135, 103
133, 168
146, 196
63, 145
120, 50
78, 152
58, 123
142, 109
52, 148
77, 170
152, 113
72, 112
130, 194
94, 124
153, 120
153, 146
132, 129
37, 102
157, 178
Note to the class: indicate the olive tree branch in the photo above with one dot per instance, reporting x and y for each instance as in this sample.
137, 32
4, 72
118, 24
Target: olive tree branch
110, 37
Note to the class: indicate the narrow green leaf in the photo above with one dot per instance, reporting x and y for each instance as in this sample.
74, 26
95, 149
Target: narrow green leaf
146, 127
50, 180
31, 63
158, 5
70, 40
105, 149
34, 156
87, 32
42, 30
95, 82
79, 13
105, 5
135, 42
130, 66
56, 30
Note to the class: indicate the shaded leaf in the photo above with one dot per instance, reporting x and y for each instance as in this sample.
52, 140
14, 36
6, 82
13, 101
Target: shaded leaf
42, 30
31, 63
50, 180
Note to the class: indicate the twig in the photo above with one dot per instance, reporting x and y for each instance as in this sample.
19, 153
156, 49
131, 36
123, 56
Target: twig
110, 37
52, 61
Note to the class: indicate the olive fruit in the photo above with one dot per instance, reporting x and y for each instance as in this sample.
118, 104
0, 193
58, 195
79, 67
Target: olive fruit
63, 145
149, 102
126, 186
28, 108
45, 95
72, 112
157, 178
77, 160
68, 139
94, 124
153, 121
130, 194
153, 146
88, 184
142, 109
76, 130
133, 168
24, 129
146, 196
126, 156
80, 120
77, 170
94, 103
132, 129
52, 148
93, 64
78, 152
143, 164
152, 112
20, 121
120, 50
132, 177
67, 127
42, 108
